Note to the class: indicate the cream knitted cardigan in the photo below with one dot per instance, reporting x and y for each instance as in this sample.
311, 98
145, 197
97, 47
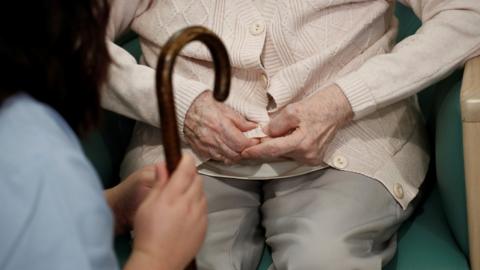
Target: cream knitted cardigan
283, 51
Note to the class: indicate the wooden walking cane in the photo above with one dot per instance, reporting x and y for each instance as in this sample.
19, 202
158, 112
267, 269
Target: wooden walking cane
166, 105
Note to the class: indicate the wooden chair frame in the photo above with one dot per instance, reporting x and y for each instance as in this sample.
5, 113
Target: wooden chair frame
470, 106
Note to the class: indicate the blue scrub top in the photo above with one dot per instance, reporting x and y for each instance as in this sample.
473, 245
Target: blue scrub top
53, 214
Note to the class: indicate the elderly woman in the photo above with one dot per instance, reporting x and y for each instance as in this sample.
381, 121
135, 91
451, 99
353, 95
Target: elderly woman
321, 141
53, 212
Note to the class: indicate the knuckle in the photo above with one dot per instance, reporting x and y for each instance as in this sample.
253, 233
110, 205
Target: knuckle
305, 145
236, 159
203, 202
199, 180
203, 205
215, 155
273, 151
149, 168
227, 153
141, 175
214, 126
311, 160
311, 156
237, 145
229, 113
168, 201
233, 156
292, 110
198, 185
321, 154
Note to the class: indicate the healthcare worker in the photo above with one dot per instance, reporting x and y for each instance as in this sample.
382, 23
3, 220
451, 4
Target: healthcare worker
53, 211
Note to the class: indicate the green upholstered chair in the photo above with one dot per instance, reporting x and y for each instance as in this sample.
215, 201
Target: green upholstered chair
436, 237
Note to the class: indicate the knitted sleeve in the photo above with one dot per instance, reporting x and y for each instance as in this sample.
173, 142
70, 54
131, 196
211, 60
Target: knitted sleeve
130, 90
449, 35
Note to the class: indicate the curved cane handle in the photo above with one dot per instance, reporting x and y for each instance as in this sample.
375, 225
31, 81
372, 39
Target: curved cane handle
166, 62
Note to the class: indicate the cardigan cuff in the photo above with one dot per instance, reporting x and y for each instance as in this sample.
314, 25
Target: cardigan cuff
358, 94
185, 92
280, 93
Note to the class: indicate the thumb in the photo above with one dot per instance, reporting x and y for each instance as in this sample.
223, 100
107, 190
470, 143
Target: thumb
241, 123
161, 176
281, 125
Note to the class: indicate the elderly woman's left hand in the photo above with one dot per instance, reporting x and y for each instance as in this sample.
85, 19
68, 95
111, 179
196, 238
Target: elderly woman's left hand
303, 130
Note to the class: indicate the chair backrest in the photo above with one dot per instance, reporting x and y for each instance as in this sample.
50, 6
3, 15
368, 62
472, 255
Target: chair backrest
440, 105
106, 146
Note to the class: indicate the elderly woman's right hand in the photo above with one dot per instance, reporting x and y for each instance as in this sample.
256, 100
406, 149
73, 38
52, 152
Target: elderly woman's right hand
215, 131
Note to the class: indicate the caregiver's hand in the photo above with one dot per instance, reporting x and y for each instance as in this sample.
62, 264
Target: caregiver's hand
303, 130
214, 130
170, 224
125, 198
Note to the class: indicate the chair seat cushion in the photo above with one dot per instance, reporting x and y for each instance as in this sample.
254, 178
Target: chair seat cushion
426, 242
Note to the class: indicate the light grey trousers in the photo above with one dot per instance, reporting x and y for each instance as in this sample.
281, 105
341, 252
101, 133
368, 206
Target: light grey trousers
325, 220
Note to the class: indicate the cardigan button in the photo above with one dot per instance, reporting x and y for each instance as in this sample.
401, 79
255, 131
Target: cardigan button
398, 191
340, 162
257, 28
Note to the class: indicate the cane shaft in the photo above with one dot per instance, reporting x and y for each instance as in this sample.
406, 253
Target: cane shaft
164, 81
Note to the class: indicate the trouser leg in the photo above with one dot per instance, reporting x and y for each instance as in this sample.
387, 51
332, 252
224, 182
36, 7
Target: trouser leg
331, 220
234, 239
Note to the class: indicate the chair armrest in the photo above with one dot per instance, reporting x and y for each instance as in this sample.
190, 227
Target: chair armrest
470, 97
470, 106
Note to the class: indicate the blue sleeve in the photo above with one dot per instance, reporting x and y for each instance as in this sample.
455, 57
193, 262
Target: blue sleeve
54, 216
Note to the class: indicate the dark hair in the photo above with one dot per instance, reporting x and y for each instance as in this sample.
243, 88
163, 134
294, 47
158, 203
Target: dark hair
55, 51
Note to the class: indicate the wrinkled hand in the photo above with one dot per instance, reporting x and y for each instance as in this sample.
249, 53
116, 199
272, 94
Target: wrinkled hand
125, 198
215, 131
302, 130
171, 223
